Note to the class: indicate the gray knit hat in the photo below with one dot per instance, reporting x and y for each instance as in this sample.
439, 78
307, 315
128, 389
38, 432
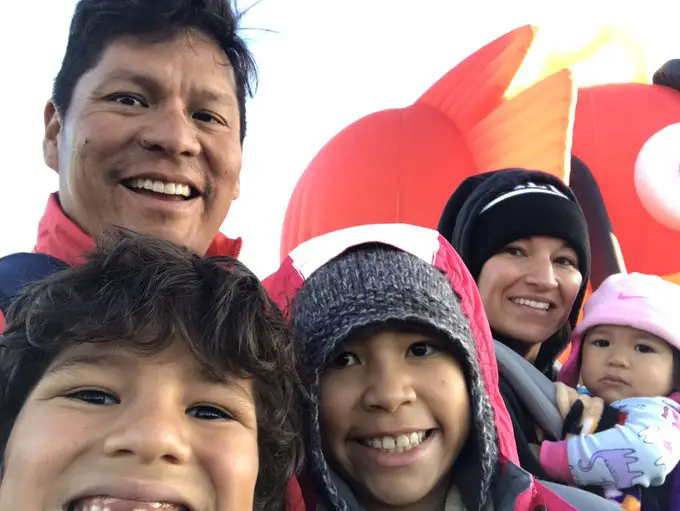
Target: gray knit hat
368, 286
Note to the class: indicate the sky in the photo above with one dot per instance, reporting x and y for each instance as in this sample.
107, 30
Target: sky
323, 64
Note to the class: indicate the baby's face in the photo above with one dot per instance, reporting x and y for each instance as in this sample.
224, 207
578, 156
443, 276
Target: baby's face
108, 428
620, 362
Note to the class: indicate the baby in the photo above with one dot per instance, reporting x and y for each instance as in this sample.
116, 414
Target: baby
626, 352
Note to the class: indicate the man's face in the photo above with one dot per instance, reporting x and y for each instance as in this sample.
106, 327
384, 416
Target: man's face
151, 141
108, 428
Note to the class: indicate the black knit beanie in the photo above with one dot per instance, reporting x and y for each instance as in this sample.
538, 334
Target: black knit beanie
375, 285
490, 210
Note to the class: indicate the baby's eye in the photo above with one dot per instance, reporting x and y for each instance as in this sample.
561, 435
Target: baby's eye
643, 348
210, 413
94, 397
422, 349
600, 343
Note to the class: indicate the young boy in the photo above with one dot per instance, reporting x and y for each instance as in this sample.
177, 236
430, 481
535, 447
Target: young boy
148, 378
398, 358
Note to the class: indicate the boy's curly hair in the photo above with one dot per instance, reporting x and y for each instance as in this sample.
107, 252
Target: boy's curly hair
149, 293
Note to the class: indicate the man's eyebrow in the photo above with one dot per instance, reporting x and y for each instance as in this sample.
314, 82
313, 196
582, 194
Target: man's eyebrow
216, 96
142, 80
151, 84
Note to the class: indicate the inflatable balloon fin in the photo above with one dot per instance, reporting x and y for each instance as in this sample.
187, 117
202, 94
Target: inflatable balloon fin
476, 86
402, 164
532, 130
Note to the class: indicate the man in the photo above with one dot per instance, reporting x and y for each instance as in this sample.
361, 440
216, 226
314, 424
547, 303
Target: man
145, 126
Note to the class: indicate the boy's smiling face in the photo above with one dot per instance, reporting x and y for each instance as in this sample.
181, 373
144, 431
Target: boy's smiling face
395, 415
105, 421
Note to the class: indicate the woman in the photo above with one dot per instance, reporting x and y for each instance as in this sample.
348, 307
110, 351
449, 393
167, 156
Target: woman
524, 238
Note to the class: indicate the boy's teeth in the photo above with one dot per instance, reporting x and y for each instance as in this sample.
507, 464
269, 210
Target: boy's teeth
544, 306
113, 504
161, 187
400, 443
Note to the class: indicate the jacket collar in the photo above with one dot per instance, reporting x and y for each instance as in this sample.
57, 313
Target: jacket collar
60, 237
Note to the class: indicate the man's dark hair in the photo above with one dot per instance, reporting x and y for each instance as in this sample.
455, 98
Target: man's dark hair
149, 293
97, 23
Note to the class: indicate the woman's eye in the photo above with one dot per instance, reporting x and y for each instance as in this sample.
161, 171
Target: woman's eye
515, 251
210, 413
422, 349
345, 359
94, 397
566, 261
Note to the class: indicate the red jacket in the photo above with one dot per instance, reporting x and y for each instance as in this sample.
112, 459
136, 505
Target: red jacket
527, 493
60, 237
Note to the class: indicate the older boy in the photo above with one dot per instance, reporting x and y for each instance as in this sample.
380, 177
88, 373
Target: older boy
148, 378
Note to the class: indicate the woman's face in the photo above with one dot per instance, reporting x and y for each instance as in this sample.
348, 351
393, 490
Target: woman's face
529, 289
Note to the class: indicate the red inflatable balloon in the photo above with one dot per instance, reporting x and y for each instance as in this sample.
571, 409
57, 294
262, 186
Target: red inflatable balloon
628, 135
401, 165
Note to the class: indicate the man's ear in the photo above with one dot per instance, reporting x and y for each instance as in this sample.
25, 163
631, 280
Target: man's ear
237, 188
53, 123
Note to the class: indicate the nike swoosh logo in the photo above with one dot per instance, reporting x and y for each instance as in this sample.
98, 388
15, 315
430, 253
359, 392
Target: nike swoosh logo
629, 297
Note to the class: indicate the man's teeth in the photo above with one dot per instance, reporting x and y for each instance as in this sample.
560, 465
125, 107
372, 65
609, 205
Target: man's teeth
397, 444
544, 306
112, 504
161, 187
